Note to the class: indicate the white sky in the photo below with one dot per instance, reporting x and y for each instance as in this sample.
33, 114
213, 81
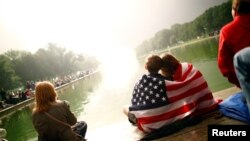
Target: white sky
90, 25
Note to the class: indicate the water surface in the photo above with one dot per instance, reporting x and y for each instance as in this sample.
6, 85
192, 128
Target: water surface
99, 99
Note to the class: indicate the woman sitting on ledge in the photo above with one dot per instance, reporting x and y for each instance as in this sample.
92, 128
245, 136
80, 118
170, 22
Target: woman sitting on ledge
52, 118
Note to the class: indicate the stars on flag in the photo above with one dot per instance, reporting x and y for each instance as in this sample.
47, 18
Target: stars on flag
150, 93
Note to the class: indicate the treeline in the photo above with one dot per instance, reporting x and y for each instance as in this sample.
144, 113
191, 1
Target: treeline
209, 23
17, 67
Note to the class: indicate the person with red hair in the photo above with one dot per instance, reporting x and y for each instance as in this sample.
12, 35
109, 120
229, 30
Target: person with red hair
52, 118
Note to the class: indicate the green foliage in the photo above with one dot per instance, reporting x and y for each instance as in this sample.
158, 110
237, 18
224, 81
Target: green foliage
8, 79
17, 67
209, 23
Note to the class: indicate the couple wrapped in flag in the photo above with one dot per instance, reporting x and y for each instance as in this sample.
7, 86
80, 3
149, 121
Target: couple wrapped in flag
180, 91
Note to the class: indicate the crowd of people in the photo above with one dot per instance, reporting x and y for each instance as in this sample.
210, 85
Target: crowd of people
171, 92
11, 97
168, 95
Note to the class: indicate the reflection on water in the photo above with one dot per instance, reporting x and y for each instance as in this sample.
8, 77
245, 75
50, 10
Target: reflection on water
98, 99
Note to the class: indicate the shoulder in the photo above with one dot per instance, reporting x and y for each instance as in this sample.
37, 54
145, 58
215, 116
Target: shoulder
144, 76
61, 102
37, 117
60, 105
185, 66
142, 79
65, 102
35, 113
228, 28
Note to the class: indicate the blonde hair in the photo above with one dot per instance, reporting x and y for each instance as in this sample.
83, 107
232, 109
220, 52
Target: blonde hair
45, 94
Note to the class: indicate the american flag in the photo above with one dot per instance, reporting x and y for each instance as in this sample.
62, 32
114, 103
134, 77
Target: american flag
149, 92
187, 95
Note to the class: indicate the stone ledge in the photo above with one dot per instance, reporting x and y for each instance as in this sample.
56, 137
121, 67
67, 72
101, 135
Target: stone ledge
124, 131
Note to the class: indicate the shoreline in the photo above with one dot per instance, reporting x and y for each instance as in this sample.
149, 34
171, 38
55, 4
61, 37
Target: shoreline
167, 49
10, 110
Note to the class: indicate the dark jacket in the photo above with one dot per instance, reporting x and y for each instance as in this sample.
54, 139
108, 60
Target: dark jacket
50, 130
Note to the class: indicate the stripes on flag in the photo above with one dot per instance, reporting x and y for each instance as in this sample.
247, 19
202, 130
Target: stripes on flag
188, 94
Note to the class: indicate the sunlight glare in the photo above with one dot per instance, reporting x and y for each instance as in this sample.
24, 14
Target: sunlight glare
74, 24
119, 64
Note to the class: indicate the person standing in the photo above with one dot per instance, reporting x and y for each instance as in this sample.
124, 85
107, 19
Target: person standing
234, 48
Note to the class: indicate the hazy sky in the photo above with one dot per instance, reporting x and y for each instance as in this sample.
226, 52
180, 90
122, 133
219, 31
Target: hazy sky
90, 25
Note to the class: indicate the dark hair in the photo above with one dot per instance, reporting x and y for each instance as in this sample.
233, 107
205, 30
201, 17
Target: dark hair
153, 63
241, 6
170, 64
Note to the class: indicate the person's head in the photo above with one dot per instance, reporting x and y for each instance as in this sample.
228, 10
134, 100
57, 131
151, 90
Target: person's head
45, 94
240, 7
170, 65
153, 63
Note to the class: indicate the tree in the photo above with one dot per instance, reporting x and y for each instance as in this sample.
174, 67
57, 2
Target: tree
209, 22
8, 79
18, 67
